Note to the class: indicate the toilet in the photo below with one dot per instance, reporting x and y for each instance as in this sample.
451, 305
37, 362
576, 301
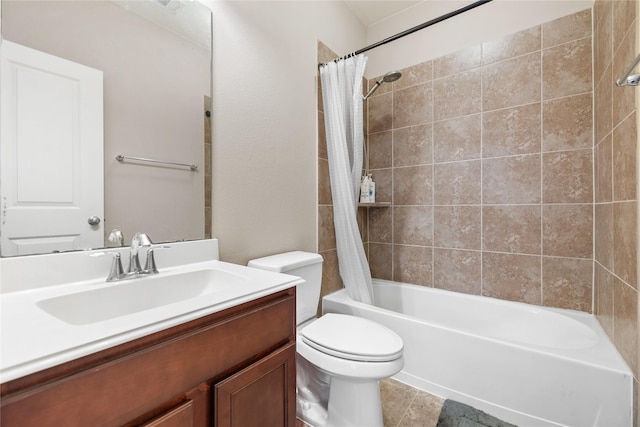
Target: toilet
339, 358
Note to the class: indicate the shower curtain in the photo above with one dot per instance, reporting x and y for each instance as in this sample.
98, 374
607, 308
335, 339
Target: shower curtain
342, 98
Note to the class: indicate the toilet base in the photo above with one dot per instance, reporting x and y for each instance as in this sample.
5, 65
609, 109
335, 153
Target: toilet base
350, 405
354, 404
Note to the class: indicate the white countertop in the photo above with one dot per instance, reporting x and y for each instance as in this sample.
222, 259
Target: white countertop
32, 339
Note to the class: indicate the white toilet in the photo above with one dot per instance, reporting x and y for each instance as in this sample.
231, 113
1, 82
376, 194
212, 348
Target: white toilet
340, 358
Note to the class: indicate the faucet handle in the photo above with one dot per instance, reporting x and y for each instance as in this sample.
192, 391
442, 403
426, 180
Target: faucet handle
116, 272
150, 264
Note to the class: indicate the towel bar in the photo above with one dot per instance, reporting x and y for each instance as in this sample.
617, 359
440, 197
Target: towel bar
122, 158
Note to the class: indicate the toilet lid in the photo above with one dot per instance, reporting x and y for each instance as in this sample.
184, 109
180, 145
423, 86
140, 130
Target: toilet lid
352, 338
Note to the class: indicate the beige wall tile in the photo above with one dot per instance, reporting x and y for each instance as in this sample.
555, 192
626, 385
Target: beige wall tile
381, 260
457, 183
413, 225
457, 139
322, 137
384, 188
380, 226
604, 298
412, 106
511, 277
513, 229
567, 177
457, 62
448, 92
568, 28
624, 13
413, 145
324, 183
625, 145
566, 283
511, 180
380, 146
623, 101
567, 123
331, 281
457, 270
326, 231
412, 264
380, 113
457, 227
603, 34
567, 230
625, 323
603, 173
625, 245
512, 45
362, 217
413, 185
604, 235
603, 101
415, 75
511, 131
566, 69
512, 82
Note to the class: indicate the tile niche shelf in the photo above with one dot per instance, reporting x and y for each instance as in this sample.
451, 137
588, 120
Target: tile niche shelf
375, 205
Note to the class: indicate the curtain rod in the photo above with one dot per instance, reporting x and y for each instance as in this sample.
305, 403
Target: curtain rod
416, 28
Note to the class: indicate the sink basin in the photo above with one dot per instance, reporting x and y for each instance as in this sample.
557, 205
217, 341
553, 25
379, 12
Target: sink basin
136, 295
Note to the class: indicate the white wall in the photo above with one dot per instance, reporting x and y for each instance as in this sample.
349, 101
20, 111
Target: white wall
264, 120
484, 23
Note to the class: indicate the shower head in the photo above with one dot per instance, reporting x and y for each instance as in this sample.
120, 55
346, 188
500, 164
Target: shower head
391, 76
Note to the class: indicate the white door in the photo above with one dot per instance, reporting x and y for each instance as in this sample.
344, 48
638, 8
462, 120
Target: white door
51, 155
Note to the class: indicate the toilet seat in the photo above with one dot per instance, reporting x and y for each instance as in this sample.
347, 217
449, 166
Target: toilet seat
352, 338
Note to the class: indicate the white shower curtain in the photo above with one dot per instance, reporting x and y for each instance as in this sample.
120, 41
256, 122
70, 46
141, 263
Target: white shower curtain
342, 97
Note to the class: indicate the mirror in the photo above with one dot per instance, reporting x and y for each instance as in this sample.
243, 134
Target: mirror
154, 57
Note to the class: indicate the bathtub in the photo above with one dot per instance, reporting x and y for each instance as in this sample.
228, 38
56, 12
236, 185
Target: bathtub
525, 364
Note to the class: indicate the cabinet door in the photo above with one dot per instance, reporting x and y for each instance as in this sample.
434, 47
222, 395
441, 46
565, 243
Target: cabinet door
192, 412
180, 416
263, 394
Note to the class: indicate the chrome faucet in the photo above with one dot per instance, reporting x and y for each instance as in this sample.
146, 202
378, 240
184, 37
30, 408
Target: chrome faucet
139, 240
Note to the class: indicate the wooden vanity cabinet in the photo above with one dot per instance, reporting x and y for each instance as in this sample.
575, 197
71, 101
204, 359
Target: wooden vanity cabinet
232, 368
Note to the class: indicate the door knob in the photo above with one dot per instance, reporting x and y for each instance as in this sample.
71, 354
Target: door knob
93, 220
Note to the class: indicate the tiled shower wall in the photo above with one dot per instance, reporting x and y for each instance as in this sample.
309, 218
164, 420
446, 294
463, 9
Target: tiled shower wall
616, 185
489, 160
486, 157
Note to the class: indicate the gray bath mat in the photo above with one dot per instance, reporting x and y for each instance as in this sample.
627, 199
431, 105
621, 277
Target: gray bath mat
456, 414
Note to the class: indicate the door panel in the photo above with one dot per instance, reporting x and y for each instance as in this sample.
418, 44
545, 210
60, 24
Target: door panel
51, 153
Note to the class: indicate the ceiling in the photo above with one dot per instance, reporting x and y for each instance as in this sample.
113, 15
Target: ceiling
369, 12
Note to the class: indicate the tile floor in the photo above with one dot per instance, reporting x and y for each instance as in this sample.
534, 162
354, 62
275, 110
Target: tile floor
405, 406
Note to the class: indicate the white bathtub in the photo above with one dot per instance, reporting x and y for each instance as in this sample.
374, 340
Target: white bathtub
528, 365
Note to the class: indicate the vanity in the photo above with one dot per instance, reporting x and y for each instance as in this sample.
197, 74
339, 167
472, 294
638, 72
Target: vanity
221, 352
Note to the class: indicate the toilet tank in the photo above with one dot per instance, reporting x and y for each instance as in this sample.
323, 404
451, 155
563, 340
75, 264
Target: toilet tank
306, 265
